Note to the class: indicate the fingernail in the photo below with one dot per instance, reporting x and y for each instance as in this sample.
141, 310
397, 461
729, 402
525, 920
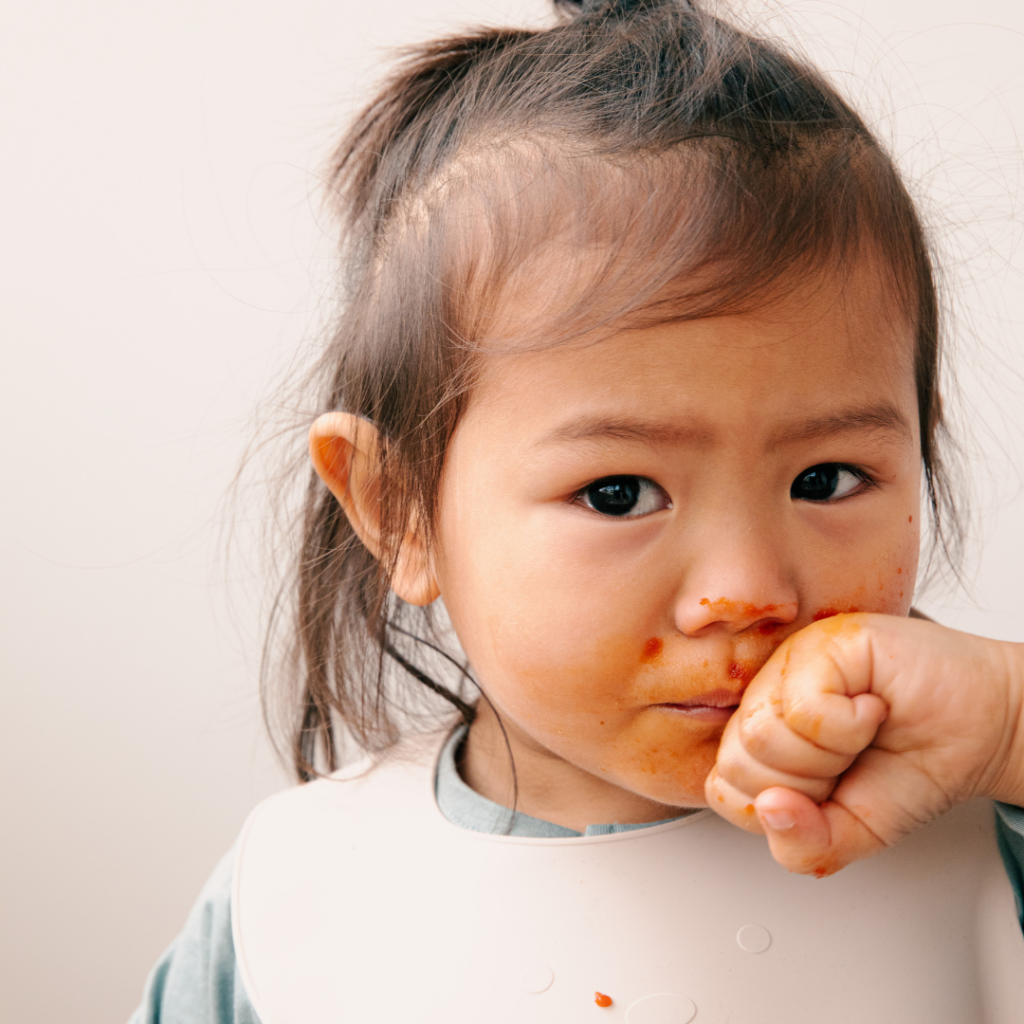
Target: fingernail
778, 821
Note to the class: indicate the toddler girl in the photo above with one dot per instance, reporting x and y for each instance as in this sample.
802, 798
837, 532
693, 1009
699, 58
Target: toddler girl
637, 370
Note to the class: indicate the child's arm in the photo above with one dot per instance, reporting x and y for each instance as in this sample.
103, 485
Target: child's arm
861, 728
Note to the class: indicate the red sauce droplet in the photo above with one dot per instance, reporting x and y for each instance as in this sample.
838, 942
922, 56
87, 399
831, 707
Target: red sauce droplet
827, 613
652, 648
744, 673
899, 572
910, 519
602, 1000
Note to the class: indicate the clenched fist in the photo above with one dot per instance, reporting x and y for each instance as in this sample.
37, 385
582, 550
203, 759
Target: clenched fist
861, 728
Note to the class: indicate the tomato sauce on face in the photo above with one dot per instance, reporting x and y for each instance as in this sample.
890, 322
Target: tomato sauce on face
652, 648
827, 613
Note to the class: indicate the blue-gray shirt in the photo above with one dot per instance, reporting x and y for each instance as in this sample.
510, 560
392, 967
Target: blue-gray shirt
197, 981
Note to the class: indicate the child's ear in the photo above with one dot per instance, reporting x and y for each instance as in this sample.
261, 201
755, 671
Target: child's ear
344, 449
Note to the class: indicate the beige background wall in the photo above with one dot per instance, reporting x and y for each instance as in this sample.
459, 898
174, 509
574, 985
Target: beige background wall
161, 259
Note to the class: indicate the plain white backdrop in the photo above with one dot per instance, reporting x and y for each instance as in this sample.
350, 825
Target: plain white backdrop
163, 257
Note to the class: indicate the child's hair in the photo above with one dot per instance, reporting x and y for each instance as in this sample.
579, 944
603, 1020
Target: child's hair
675, 166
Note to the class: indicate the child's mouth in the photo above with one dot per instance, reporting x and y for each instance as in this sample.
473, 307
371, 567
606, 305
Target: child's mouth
713, 707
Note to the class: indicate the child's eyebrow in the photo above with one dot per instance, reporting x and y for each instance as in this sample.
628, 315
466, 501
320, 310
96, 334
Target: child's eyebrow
589, 428
881, 418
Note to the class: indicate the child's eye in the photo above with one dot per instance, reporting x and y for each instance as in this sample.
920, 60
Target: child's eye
826, 482
624, 496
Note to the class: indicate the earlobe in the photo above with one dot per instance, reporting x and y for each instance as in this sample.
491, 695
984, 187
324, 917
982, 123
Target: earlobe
345, 453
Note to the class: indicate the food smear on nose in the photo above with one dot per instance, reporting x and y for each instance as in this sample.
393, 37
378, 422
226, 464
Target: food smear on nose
737, 609
652, 649
602, 1000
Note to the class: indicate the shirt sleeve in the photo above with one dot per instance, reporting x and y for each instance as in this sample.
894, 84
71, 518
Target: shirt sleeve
197, 981
1010, 834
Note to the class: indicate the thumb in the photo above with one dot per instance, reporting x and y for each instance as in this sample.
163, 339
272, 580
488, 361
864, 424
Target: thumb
809, 839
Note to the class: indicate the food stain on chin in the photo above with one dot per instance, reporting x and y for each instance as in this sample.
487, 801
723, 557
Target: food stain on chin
670, 770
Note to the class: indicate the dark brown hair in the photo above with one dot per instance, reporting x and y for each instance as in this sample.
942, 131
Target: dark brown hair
671, 164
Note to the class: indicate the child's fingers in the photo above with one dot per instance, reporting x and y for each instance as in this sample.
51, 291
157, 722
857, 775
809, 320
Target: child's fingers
834, 721
731, 803
763, 732
810, 839
815, 774
824, 682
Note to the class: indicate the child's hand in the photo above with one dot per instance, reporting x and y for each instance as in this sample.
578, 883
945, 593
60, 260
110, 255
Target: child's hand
861, 728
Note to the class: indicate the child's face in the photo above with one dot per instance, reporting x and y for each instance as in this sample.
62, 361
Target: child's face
616, 622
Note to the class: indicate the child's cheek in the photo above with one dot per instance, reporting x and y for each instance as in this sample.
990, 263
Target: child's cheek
592, 703
883, 583
889, 592
554, 679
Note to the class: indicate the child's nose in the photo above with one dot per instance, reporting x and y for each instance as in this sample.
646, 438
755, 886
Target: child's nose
735, 593
733, 615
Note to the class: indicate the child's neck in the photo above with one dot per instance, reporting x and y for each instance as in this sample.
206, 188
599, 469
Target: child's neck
549, 787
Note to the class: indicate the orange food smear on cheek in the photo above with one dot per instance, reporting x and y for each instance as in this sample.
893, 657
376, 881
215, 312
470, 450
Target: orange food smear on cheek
652, 649
827, 613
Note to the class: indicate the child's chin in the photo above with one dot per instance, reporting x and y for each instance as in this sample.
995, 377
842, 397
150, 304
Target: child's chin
674, 779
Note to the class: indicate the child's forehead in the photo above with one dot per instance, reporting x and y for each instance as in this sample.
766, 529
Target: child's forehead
829, 348
846, 312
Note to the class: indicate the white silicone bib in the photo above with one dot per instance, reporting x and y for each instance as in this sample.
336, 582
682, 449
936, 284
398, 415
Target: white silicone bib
356, 902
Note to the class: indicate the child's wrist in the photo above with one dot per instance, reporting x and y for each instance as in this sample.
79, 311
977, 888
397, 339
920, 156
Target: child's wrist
1006, 780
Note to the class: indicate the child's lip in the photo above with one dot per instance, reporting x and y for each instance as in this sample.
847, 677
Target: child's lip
720, 698
715, 706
